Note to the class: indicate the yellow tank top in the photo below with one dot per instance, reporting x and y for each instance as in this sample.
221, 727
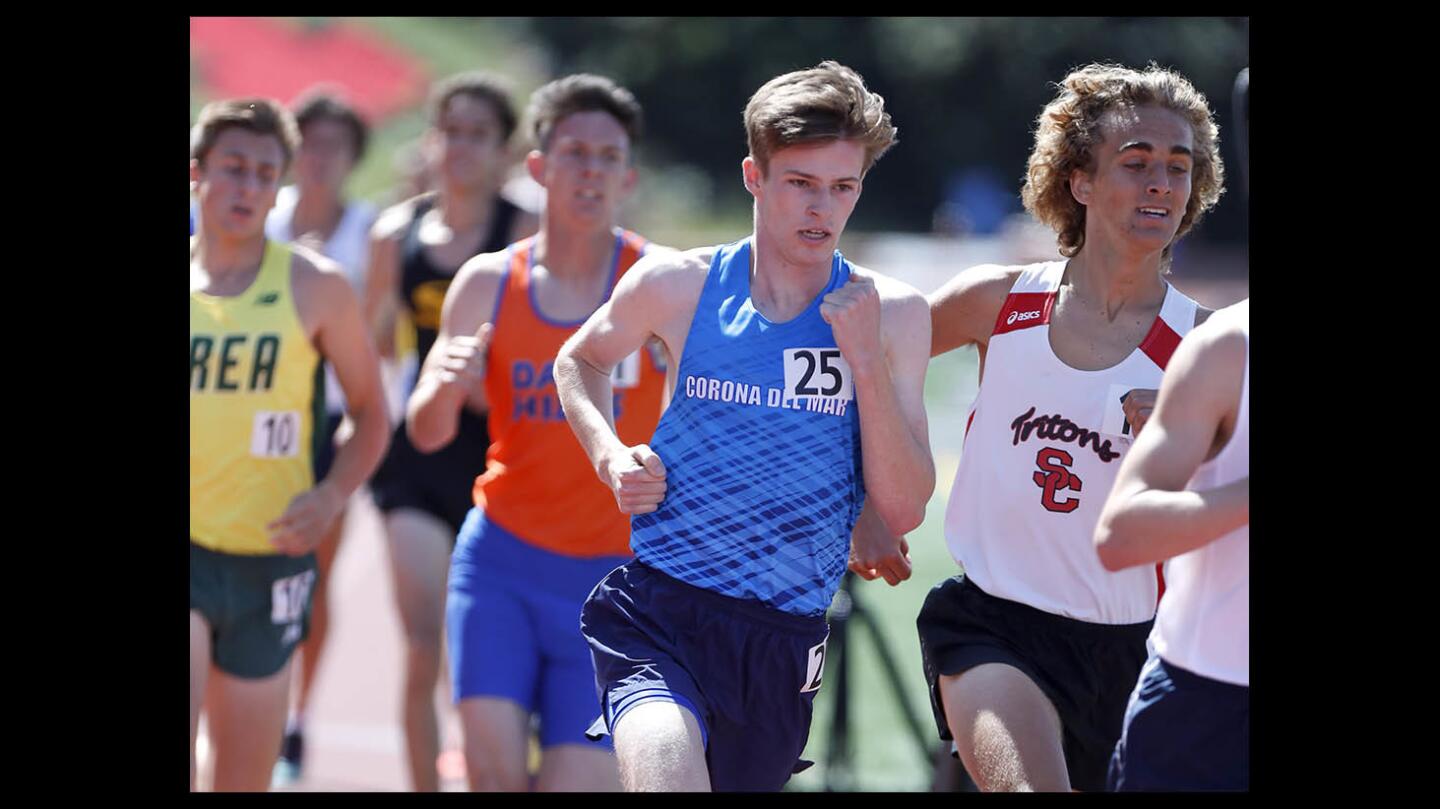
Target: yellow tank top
255, 390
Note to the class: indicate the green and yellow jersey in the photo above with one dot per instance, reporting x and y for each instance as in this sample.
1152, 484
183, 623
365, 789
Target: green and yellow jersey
256, 392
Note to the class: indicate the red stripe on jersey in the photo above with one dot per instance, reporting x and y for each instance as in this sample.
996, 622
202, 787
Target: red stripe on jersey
1023, 310
1160, 578
1160, 343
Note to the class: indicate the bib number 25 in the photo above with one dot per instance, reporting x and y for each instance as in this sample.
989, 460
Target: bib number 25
817, 372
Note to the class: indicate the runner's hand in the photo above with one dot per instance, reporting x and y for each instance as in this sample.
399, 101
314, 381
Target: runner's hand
637, 479
310, 515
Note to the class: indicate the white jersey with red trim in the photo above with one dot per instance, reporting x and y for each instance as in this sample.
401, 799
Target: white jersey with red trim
1203, 624
1042, 446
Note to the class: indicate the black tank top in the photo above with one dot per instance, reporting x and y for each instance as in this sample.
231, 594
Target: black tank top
453, 468
423, 286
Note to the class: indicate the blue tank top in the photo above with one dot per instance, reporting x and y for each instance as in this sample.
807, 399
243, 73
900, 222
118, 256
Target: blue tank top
761, 443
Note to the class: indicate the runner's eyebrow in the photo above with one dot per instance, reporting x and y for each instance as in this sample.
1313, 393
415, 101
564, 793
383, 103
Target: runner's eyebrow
799, 173
1145, 146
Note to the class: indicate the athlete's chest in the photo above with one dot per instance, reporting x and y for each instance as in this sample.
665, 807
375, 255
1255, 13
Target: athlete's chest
244, 345
1031, 399
1085, 339
566, 302
443, 247
737, 360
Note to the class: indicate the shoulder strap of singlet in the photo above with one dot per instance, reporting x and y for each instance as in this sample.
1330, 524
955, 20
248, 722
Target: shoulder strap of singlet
1179, 310
636, 242
1031, 298
357, 215
274, 265
516, 277
630, 247
500, 224
411, 241
1176, 318
1042, 277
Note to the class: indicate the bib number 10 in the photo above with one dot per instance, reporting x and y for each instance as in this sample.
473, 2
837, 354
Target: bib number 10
276, 434
817, 372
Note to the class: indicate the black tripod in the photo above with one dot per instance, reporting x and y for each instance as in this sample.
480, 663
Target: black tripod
839, 775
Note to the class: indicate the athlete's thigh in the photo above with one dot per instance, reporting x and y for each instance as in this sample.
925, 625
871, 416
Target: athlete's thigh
565, 690
1006, 730
497, 743
246, 721
199, 665
493, 650
420, 545
660, 748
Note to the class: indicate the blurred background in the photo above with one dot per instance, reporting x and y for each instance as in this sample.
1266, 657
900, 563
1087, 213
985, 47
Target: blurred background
964, 93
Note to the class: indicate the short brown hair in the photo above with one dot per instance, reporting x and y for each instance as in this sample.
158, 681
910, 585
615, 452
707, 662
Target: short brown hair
479, 84
826, 102
582, 92
319, 104
262, 116
1069, 129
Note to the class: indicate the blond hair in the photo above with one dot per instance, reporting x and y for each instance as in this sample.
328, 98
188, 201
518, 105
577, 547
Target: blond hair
1069, 129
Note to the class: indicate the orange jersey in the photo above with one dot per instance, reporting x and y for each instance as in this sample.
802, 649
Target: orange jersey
538, 484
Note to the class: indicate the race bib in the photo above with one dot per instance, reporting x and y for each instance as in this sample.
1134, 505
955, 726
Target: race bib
817, 373
1115, 423
816, 669
288, 595
276, 434
627, 373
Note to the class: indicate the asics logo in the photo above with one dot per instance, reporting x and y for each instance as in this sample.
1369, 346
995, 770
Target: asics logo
1014, 316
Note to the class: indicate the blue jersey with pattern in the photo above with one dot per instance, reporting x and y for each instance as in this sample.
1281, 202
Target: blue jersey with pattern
761, 444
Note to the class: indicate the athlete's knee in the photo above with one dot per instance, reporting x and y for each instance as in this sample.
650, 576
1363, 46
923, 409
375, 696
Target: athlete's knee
656, 738
487, 772
423, 639
572, 768
422, 671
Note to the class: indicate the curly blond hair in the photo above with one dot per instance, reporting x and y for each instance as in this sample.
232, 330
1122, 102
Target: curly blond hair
1069, 129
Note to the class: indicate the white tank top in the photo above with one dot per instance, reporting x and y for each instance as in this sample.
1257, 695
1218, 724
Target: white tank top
349, 246
1043, 442
1203, 624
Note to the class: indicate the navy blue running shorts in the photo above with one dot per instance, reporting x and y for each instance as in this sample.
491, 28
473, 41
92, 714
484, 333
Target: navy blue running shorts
748, 672
1183, 732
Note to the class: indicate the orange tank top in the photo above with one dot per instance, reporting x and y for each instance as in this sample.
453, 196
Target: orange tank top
538, 483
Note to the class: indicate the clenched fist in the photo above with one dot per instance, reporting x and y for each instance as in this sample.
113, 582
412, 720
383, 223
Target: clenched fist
853, 312
637, 478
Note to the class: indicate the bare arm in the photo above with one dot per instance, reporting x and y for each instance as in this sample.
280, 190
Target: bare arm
656, 297
332, 315
380, 302
963, 311
454, 371
1149, 516
885, 340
